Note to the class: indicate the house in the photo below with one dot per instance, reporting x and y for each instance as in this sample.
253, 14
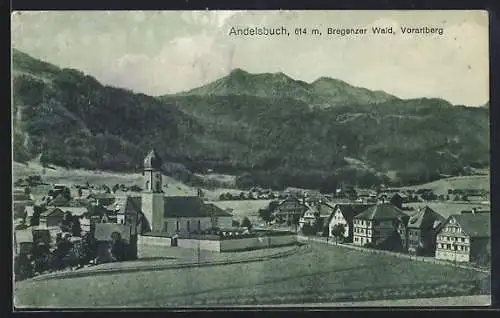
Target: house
422, 230
465, 237
28, 214
344, 214
382, 225
395, 198
310, 216
101, 199
23, 242
366, 196
51, 217
75, 211
290, 210
59, 200
325, 210
20, 200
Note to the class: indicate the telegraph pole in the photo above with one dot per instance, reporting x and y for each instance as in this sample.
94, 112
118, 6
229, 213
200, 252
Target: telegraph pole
198, 251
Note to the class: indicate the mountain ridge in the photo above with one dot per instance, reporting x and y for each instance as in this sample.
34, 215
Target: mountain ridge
324, 91
72, 120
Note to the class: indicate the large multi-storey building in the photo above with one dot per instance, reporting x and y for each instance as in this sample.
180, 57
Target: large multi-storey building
465, 237
422, 228
380, 223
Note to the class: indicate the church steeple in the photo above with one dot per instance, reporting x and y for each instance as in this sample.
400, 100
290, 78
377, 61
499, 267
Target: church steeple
152, 196
152, 161
152, 173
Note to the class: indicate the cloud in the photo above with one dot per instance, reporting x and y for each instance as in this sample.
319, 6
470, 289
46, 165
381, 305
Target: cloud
183, 63
166, 52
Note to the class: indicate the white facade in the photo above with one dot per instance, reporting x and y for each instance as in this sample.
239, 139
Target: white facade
153, 209
367, 231
185, 225
338, 218
452, 243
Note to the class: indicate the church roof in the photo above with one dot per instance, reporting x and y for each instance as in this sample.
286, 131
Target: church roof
152, 160
184, 206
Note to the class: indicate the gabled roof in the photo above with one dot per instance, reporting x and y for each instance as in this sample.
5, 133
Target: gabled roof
52, 212
291, 199
350, 210
382, 211
426, 218
325, 208
75, 211
364, 192
192, 206
474, 225
59, 200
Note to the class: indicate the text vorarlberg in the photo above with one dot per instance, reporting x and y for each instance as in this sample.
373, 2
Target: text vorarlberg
422, 30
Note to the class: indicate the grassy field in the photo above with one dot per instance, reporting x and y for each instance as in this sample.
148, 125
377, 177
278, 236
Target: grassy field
323, 274
467, 182
244, 208
81, 176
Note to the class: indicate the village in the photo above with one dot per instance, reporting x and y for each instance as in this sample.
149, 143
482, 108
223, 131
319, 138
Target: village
83, 225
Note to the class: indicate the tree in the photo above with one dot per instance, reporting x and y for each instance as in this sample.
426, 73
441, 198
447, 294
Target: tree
266, 214
117, 246
308, 229
35, 219
246, 223
76, 229
66, 222
115, 188
338, 231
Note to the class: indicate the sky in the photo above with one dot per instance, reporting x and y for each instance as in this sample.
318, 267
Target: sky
162, 52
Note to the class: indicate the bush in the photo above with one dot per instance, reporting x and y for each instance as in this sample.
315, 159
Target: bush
246, 223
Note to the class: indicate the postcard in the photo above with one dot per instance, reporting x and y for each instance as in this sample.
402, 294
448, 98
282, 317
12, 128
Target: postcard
250, 159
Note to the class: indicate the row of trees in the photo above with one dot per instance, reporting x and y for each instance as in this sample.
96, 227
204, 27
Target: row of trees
63, 256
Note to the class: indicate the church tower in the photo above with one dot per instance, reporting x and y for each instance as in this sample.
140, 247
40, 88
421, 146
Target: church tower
152, 196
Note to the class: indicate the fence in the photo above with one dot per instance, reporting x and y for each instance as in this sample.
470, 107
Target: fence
399, 255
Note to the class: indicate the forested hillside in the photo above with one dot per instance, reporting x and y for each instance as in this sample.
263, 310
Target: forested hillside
268, 128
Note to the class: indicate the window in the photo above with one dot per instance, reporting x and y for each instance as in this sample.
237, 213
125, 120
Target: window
177, 225
466, 248
188, 226
199, 225
448, 246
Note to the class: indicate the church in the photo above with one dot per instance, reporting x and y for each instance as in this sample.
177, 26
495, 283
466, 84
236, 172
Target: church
153, 212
